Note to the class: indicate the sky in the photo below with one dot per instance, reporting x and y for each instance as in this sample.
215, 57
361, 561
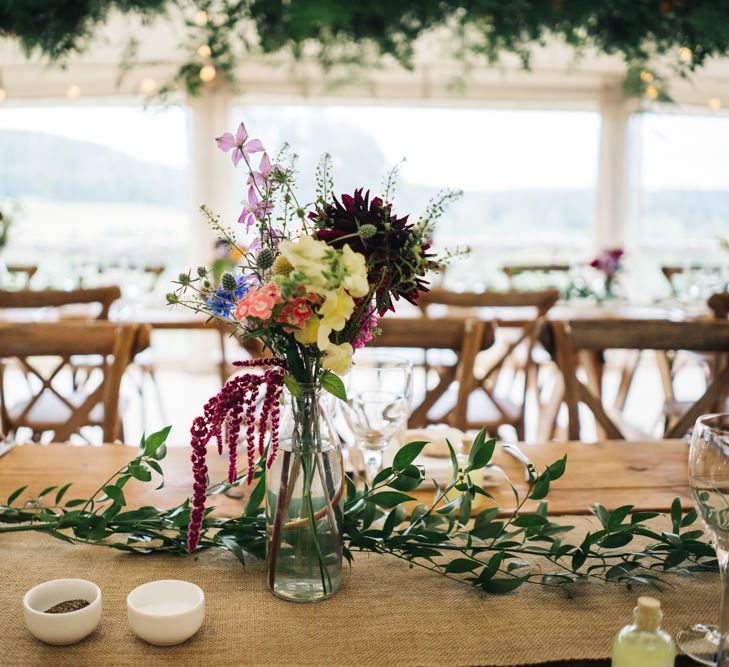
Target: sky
472, 149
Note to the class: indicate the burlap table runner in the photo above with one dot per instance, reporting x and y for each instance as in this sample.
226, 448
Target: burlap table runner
384, 614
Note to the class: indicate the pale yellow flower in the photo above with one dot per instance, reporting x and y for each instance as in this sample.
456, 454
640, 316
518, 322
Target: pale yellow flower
336, 309
338, 358
308, 335
356, 280
307, 255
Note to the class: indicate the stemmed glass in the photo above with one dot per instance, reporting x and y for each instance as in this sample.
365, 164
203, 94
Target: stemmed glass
709, 480
379, 398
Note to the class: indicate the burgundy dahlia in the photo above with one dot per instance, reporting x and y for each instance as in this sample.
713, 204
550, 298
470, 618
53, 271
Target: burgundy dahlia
396, 252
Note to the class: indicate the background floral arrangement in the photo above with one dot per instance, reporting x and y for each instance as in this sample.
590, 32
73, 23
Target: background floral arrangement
609, 263
315, 281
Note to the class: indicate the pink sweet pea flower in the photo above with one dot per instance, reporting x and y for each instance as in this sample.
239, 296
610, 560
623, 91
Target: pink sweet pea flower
238, 144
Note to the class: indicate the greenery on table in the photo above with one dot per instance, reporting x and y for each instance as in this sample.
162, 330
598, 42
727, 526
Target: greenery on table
492, 550
653, 37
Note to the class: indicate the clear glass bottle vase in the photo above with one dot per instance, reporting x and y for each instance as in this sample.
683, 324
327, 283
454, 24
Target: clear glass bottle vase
304, 498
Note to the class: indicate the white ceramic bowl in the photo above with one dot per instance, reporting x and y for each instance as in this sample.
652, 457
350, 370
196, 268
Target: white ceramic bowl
166, 612
65, 628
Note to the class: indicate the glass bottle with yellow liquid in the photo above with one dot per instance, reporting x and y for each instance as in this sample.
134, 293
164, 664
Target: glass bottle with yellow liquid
643, 643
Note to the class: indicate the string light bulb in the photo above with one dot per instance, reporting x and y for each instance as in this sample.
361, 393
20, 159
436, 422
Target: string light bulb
204, 51
646, 76
201, 18
207, 73
714, 103
148, 86
684, 53
651, 92
73, 92
3, 95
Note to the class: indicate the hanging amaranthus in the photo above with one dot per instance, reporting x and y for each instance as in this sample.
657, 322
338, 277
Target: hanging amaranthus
234, 406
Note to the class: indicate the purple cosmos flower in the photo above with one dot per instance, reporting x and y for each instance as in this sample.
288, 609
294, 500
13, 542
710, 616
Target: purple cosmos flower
239, 143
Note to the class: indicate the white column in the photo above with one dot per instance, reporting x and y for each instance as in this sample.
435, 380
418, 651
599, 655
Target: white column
613, 196
210, 171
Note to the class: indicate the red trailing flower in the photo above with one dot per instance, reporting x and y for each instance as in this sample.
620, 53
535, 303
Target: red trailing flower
224, 414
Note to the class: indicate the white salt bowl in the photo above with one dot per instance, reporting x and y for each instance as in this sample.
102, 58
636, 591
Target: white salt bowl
64, 628
166, 612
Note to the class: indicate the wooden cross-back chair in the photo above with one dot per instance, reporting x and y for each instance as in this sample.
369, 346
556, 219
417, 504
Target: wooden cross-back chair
40, 346
465, 337
50, 298
660, 335
719, 304
28, 270
527, 329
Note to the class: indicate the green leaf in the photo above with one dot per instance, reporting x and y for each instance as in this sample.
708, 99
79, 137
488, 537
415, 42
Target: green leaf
155, 466
556, 469
617, 516
154, 441
460, 565
160, 452
408, 479
501, 586
640, 517
454, 462
690, 517
46, 491
481, 452
389, 499
16, 493
293, 386
76, 502
676, 514
465, 514
616, 540
541, 487
140, 472
407, 454
254, 501
601, 513
578, 559
115, 493
334, 385
529, 521
382, 476
62, 492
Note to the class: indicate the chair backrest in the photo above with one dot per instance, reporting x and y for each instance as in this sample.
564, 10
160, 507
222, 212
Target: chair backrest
104, 296
29, 344
495, 306
719, 304
155, 271
29, 270
598, 335
512, 270
465, 337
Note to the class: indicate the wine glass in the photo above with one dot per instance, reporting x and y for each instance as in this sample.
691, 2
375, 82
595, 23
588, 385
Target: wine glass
709, 480
379, 398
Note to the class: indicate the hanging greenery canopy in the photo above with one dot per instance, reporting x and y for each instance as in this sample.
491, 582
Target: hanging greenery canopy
682, 34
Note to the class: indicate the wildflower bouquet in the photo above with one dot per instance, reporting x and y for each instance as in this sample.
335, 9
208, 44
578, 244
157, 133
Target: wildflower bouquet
609, 263
312, 287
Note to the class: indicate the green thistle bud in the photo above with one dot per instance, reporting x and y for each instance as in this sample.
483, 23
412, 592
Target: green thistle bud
301, 213
266, 258
367, 231
202, 271
228, 282
184, 279
172, 298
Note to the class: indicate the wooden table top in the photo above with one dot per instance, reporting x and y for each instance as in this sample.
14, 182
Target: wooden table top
648, 475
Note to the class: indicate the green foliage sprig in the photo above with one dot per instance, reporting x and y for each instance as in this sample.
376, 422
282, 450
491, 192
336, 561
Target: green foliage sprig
680, 36
494, 550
